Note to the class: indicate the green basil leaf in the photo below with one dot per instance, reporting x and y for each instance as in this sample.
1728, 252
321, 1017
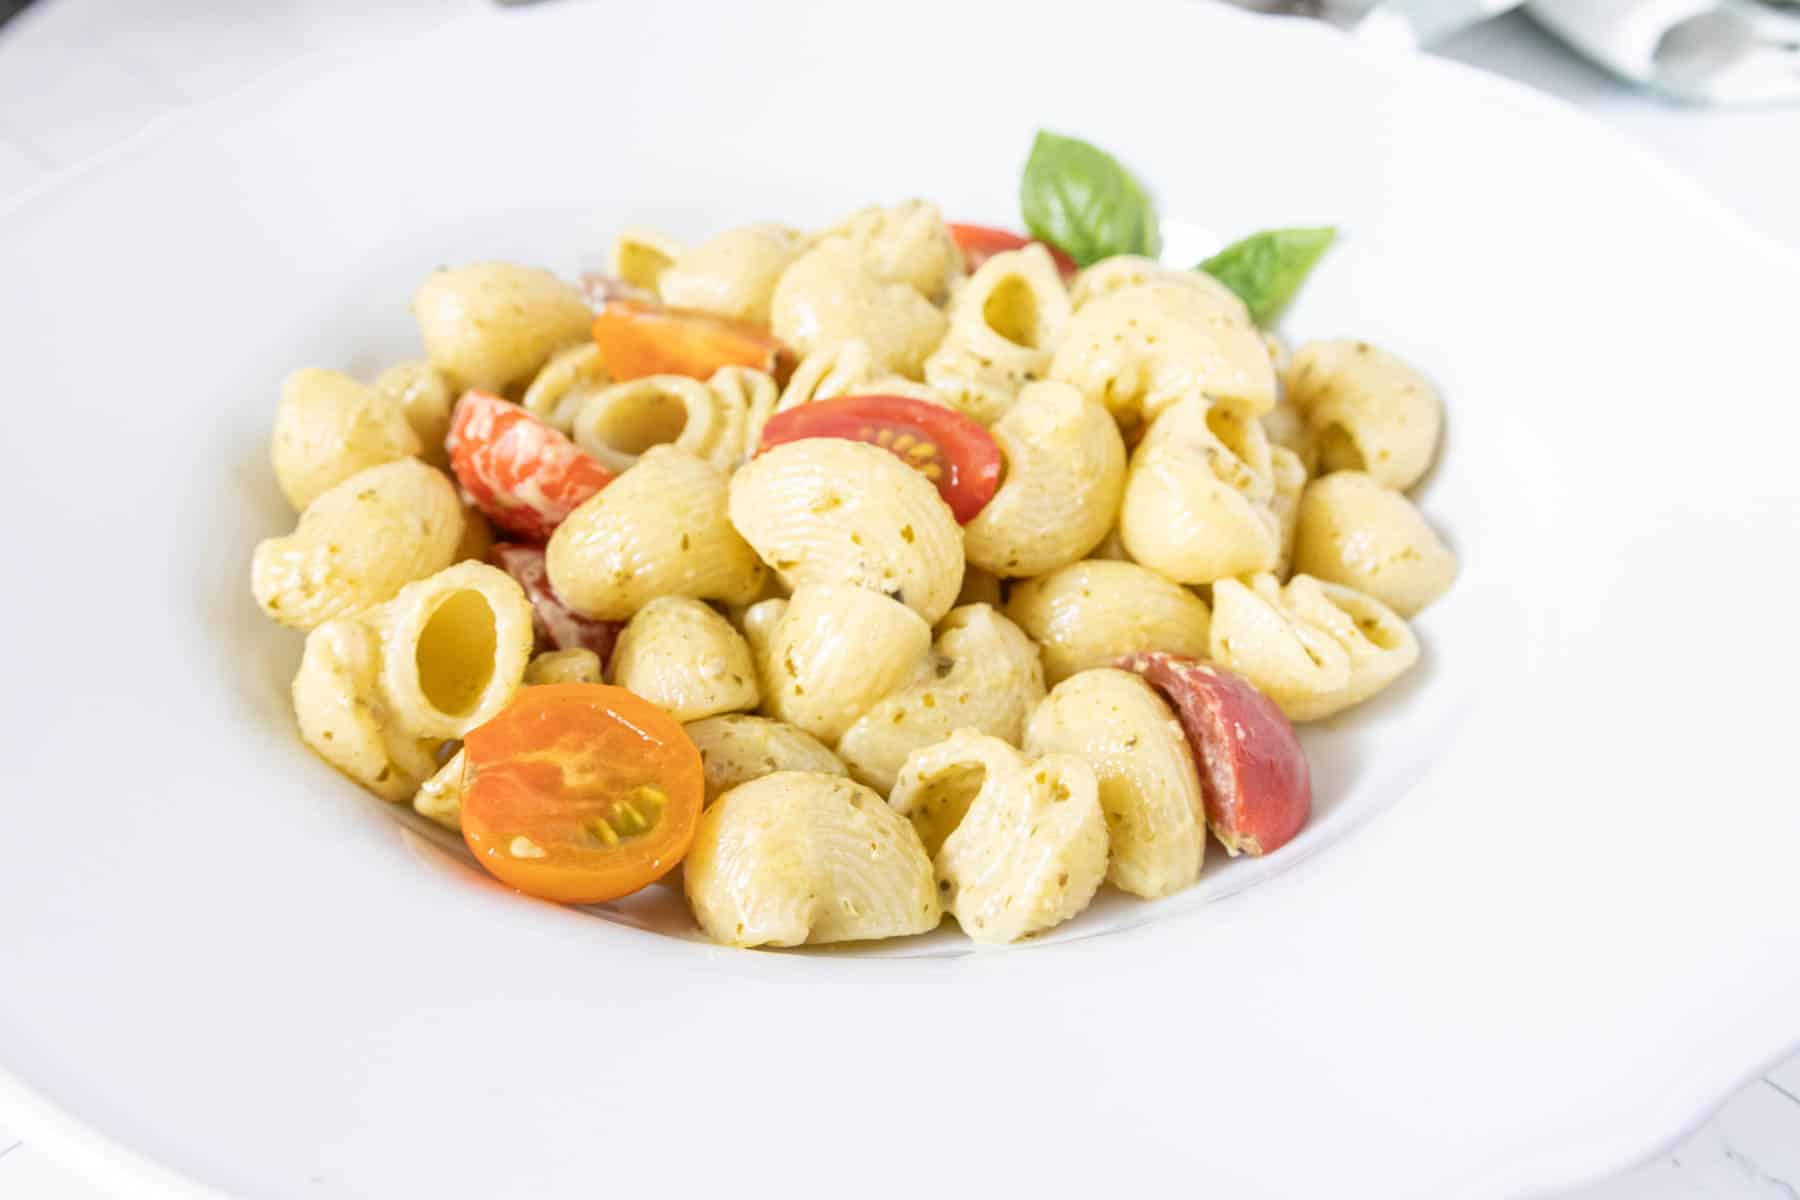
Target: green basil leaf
1267, 268
1080, 200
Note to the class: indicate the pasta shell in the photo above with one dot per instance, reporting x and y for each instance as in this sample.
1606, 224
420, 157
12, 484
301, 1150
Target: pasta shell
829, 653
840, 369
824, 510
984, 675
358, 543
736, 748
640, 255
454, 648
755, 394
733, 273
618, 423
568, 381
660, 529
1149, 783
338, 704
1197, 503
800, 857
328, 427
1366, 410
1354, 530
1065, 473
685, 658
565, 666
1138, 350
1090, 614
492, 326
1288, 474
830, 296
1021, 845
440, 798
425, 397
1123, 271
904, 243
1314, 648
1004, 325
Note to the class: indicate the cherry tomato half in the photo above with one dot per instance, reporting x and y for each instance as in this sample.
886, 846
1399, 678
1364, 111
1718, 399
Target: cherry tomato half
952, 451
522, 474
558, 626
979, 243
1254, 776
638, 339
580, 792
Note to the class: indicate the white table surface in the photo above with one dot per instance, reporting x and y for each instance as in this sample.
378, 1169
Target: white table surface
76, 76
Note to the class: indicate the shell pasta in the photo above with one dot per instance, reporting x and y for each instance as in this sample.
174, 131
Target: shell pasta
873, 574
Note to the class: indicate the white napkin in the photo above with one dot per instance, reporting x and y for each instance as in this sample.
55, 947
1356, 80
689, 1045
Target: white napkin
1718, 51
1713, 51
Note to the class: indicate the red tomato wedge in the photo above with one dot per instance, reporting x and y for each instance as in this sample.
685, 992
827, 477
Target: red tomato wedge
580, 793
979, 243
558, 626
638, 339
951, 450
523, 475
1253, 773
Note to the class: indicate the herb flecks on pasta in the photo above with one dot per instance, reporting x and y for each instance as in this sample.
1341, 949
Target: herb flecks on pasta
873, 573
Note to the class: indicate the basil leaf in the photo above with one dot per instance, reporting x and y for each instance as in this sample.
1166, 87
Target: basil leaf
1267, 268
1080, 200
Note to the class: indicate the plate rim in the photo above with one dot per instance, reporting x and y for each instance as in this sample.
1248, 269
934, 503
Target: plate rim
110, 1161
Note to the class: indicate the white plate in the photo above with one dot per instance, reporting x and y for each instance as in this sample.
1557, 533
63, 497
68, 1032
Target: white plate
1576, 927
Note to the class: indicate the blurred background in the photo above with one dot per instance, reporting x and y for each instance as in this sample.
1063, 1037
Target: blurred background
1713, 86
1702, 51
1710, 86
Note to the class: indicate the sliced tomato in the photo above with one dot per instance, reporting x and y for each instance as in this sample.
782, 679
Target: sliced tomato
580, 792
979, 243
953, 451
522, 474
1253, 773
638, 339
558, 626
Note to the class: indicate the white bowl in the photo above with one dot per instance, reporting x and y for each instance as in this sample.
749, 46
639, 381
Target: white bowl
1575, 927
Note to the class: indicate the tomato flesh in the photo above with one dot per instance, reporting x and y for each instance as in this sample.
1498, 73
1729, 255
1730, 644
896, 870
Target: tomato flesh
558, 626
580, 793
638, 339
522, 474
979, 243
1254, 776
952, 450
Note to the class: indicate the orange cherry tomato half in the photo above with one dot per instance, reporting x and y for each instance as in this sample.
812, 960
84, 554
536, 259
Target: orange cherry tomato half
638, 339
580, 792
979, 243
522, 474
951, 450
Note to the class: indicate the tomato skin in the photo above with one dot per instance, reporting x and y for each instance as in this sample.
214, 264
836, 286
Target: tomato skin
964, 461
549, 785
979, 243
558, 626
638, 339
1253, 773
522, 474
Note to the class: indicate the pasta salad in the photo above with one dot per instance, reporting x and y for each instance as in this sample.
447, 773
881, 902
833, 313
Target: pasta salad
871, 574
